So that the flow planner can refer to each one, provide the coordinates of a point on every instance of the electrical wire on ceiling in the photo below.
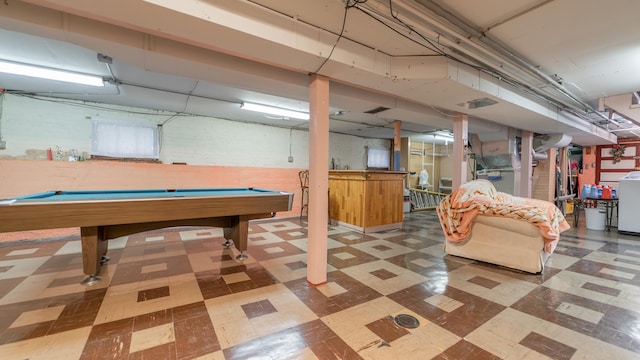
(186, 103)
(486, 68)
(347, 6)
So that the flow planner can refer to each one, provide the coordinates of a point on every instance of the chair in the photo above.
(304, 187)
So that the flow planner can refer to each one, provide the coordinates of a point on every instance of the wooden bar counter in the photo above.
(367, 200)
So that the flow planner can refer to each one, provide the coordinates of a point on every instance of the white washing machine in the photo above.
(629, 203)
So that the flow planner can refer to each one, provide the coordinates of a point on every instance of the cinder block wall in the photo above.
(218, 153)
(19, 177)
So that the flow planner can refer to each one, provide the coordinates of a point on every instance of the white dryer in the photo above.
(629, 203)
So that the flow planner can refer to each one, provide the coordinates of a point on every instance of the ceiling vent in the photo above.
(377, 110)
(478, 103)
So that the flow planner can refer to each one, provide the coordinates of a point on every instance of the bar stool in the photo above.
(304, 187)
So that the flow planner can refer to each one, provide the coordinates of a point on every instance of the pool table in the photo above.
(108, 214)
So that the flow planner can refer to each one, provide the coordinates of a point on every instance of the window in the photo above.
(378, 158)
(124, 140)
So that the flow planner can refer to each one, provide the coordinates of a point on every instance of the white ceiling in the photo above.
(546, 63)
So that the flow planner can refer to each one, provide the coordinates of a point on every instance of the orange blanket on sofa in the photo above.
(457, 211)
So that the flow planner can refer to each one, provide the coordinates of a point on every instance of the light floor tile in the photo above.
(444, 302)
(559, 261)
(352, 237)
(37, 286)
(64, 345)
(21, 267)
(331, 288)
(273, 250)
(587, 347)
(70, 247)
(370, 248)
(279, 226)
(153, 268)
(502, 333)
(263, 239)
(209, 260)
(170, 250)
(198, 234)
(154, 336)
(634, 253)
(424, 342)
(508, 292)
(572, 283)
(121, 301)
(302, 244)
(423, 262)
(411, 241)
(521, 352)
(232, 326)
(344, 255)
(154, 238)
(617, 273)
(38, 316)
(404, 279)
(279, 269)
(580, 312)
(118, 243)
(236, 277)
(613, 259)
(438, 251)
(218, 355)
(23, 252)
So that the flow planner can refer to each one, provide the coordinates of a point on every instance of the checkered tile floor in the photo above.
(179, 294)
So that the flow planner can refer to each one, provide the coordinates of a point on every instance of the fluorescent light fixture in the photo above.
(15, 68)
(443, 138)
(275, 111)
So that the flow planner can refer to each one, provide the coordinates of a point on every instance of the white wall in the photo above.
(30, 126)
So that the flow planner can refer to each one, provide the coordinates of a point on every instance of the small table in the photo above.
(610, 205)
(104, 215)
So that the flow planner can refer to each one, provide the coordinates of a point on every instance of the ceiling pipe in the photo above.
(465, 32)
(450, 34)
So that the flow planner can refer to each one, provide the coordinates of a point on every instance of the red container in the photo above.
(606, 192)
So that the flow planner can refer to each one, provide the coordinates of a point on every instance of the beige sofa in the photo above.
(513, 243)
(483, 224)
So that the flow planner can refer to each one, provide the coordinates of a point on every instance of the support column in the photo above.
(318, 179)
(526, 164)
(460, 140)
(396, 145)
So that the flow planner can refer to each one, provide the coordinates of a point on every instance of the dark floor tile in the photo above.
(160, 352)
(258, 308)
(152, 319)
(548, 347)
(155, 293)
(474, 312)
(195, 337)
(357, 257)
(484, 282)
(387, 329)
(601, 289)
(467, 351)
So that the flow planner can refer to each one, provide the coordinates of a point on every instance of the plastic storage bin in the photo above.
(595, 218)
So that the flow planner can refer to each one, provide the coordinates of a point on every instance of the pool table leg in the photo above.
(94, 247)
(239, 232)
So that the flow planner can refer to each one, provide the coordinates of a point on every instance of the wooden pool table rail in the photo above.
(104, 219)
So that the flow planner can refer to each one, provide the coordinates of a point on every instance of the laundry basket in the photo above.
(595, 218)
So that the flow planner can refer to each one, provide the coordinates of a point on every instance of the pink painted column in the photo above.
(526, 164)
(396, 144)
(318, 179)
(460, 139)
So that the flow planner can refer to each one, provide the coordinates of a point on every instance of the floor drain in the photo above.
(407, 321)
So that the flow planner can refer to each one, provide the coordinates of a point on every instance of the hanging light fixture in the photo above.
(15, 68)
(272, 110)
